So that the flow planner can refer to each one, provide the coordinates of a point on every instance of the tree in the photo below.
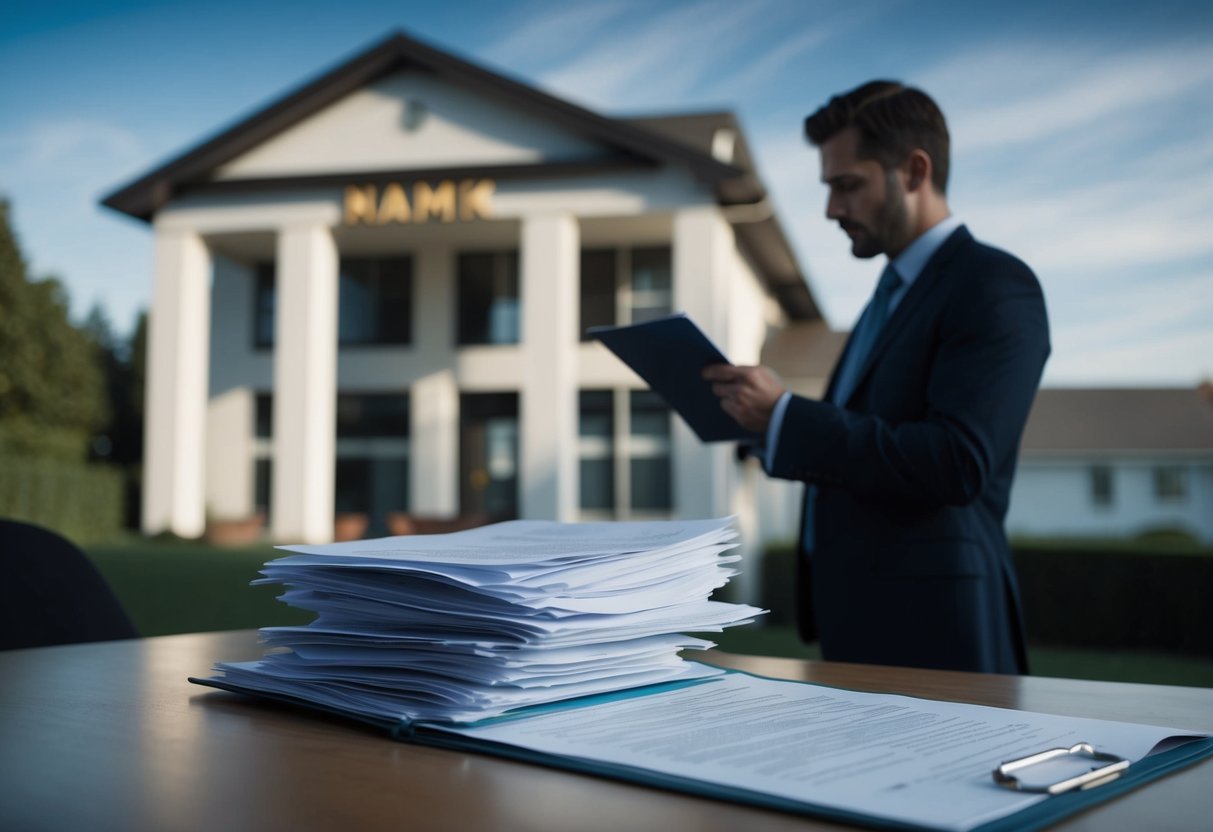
(52, 386)
(120, 439)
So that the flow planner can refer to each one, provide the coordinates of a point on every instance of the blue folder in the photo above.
(1037, 816)
(669, 354)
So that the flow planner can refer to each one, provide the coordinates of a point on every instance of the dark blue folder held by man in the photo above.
(669, 354)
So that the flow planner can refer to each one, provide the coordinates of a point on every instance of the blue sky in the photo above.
(1081, 130)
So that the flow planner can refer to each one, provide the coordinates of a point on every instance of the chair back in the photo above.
(50, 592)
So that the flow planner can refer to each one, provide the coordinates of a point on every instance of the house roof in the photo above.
(1062, 420)
(646, 142)
(804, 350)
(1120, 419)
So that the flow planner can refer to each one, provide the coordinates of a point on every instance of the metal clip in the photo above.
(1007, 774)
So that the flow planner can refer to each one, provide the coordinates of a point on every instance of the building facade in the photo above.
(1116, 463)
(371, 298)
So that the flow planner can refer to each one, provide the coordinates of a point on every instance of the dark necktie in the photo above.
(866, 332)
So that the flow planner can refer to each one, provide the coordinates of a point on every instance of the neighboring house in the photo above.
(1116, 463)
(1109, 462)
(370, 297)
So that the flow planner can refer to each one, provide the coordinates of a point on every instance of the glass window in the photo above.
(625, 286)
(263, 416)
(1170, 484)
(624, 454)
(596, 449)
(265, 302)
(263, 472)
(1101, 485)
(651, 284)
(375, 301)
(372, 464)
(371, 485)
(369, 415)
(649, 465)
(263, 433)
(353, 485)
(374, 304)
(488, 454)
(489, 311)
(598, 289)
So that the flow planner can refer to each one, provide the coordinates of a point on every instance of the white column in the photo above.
(178, 359)
(549, 290)
(703, 244)
(305, 384)
(434, 445)
(229, 458)
(434, 398)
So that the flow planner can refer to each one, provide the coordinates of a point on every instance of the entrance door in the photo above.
(488, 454)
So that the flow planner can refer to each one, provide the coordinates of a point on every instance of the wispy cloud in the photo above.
(1145, 346)
(660, 57)
(790, 49)
(80, 153)
(1086, 231)
(545, 34)
(1102, 181)
(1011, 93)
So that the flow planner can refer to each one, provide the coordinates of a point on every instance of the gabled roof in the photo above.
(650, 142)
(145, 195)
(1120, 419)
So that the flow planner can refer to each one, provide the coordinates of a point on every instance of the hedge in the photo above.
(1116, 595)
(83, 502)
(1093, 597)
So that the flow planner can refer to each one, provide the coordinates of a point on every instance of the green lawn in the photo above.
(181, 587)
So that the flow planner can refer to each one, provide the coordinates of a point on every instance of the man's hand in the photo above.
(748, 394)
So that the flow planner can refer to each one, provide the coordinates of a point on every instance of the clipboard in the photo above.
(669, 353)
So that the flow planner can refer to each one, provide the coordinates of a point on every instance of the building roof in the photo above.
(804, 350)
(1062, 420)
(1120, 419)
(639, 142)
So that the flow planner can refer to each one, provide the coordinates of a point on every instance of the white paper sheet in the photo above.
(883, 755)
(466, 625)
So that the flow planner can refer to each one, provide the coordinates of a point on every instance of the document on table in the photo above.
(885, 757)
(472, 624)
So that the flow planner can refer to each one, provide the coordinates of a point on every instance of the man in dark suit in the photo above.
(908, 459)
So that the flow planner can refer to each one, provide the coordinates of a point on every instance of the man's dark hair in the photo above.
(893, 120)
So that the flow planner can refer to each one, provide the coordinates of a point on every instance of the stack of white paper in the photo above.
(464, 626)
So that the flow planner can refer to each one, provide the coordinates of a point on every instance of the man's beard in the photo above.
(890, 226)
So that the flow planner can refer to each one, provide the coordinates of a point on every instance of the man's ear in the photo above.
(918, 170)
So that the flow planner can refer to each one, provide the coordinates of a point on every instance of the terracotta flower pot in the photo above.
(240, 531)
(349, 525)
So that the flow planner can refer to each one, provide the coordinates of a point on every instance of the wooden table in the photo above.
(111, 736)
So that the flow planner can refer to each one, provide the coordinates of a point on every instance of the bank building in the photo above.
(370, 300)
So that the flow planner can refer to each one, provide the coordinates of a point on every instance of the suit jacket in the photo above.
(911, 564)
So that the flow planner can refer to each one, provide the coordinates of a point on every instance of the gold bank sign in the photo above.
(419, 202)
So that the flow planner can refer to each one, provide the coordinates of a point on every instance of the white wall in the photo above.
(373, 128)
(1053, 497)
